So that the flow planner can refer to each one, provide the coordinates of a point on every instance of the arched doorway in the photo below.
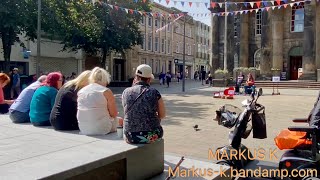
(295, 61)
(257, 59)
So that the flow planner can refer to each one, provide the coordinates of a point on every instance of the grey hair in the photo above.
(42, 78)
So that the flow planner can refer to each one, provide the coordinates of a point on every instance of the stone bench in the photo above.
(28, 152)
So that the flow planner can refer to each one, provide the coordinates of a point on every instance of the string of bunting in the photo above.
(158, 14)
(252, 4)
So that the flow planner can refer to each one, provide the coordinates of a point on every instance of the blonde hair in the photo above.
(79, 81)
(99, 76)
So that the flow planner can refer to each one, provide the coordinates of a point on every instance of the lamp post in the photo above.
(225, 36)
(184, 52)
(38, 38)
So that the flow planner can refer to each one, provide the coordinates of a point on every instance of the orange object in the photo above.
(287, 139)
(120, 121)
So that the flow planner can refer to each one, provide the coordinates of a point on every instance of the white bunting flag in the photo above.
(241, 12)
(252, 4)
(220, 4)
(257, 10)
(126, 10)
(272, 2)
(110, 6)
(175, 2)
(291, 4)
(273, 7)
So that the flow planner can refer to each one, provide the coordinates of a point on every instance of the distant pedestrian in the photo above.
(178, 76)
(168, 78)
(203, 76)
(15, 88)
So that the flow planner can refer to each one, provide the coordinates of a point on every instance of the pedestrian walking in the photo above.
(168, 78)
(15, 88)
(203, 75)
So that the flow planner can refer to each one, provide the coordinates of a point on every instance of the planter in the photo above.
(221, 76)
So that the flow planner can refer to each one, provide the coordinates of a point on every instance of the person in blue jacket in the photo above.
(43, 100)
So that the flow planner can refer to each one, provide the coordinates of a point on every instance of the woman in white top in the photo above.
(97, 108)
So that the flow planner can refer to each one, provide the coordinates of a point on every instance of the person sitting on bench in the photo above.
(249, 88)
(239, 82)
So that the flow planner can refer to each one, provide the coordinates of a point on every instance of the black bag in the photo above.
(4, 108)
(259, 125)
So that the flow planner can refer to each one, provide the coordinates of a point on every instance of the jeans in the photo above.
(249, 89)
(19, 117)
(43, 123)
(4, 108)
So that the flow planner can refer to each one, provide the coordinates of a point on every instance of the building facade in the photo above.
(283, 40)
(51, 59)
(202, 46)
(162, 46)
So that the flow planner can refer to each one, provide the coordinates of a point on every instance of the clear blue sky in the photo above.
(193, 9)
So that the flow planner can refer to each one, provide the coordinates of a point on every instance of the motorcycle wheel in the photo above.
(226, 163)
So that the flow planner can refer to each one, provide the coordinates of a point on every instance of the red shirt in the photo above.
(1, 95)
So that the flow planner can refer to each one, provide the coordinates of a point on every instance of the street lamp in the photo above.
(225, 36)
(38, 38)
(184, 52)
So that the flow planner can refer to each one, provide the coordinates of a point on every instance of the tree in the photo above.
(98, 28)
(16, 18)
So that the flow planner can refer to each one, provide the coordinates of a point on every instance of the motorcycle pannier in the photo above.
(287, 139)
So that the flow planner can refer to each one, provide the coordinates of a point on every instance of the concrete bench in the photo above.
(28, 152)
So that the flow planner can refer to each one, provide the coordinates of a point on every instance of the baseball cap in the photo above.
(145, 71)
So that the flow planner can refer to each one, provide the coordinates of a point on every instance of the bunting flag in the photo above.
(220, 4)
(167, 1)
(258, 4)
(213, 4)
(182, 3)
(175, 2)
(206, 4)
(190, 4)
(252, 4)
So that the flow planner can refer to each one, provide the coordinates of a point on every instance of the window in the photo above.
(258, 22)
(190, 32)
(169, 25)
(169, 46)
(162, 45)
(143, 61)
(163, 22)
(177, 47)
(149, 21)
(156, 44)
(157, 66)
(189, 50)
(235, 25)
(143, 46)
(149, 42)
(297, 18)
(257, 58)
(156, 22)
(142, 20)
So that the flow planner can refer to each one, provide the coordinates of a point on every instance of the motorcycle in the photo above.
(242, 129)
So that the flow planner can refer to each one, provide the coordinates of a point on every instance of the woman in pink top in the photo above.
(4, 104)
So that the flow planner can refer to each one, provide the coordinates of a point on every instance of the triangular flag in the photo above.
(291, 4)
(278, 2)
(111, 6)
(272, 2)
(285, 1)
(144, 1)
(151, 14)
(167, 1)
(252, 4)
(263, 9)
(197, 4)
(265, 3)
(126, 10)
(190, 4)
(257, 10)
(182, 3)
(140, 13)
(175, 2)
(227, 13)
(206, 4)
(135, 1)
(159, 1)
(144, 13)
(267, 8)
(273, 7)
(258, 4)
(220, 4)
(285, 5)
(246, 11)
(117, 8)
(213, 4)
(241, 12)
(213, 14)
(131, 11)
(279, 7)
(236, 12)
(245, 4)
(251, 10)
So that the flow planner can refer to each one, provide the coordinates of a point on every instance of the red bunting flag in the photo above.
(167, 1)
(144, 1)
(117, 8)
(267, 8)
(190, 3)
(285, 5)
(144, 13)
(131, 11)
(278, 2)
(213, 4)
(251, 10)
(258, 4)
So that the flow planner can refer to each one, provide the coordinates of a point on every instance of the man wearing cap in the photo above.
(15, 83)
(143, 109)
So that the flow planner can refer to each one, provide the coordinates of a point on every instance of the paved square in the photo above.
(197, 106)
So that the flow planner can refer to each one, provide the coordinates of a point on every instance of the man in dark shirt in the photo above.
(203, 76)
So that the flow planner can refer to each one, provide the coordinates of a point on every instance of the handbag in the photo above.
(144, 90)
(259, 125)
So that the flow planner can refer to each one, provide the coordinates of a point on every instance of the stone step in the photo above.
(200, 166)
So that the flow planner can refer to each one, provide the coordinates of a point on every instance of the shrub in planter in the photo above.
(221, 74)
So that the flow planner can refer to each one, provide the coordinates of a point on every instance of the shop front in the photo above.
(179, 67)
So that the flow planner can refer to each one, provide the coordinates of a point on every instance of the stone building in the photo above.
(284, 39)
(202, 46)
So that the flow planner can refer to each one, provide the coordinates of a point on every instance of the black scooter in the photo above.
(242, 129)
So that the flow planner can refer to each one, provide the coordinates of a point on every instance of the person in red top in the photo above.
(4, 104)
(249, 87)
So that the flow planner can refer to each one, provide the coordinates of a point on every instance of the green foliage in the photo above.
(16, 18)
(221, 71)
